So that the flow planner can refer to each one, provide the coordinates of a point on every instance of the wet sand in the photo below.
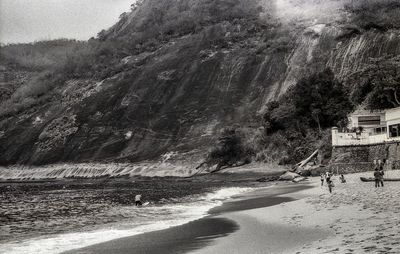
(179, 239)
(263, 229)
(195, 236)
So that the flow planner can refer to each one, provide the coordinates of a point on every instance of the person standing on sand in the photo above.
(330, 184)
(138, 201)
(377, 176)
(381, 174)
(322, 179)
(342, 179)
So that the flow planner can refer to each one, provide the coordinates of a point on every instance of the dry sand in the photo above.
(355, 218)
(362, 218)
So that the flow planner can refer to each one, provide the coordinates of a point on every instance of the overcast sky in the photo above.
(30, 20)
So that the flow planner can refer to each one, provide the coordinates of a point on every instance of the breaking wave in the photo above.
(145, 219)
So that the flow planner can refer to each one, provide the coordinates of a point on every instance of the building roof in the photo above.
(363, 112)
(393, 109)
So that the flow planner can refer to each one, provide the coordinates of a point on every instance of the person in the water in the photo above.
(138, 201)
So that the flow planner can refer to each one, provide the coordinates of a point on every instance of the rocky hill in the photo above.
(169, 75)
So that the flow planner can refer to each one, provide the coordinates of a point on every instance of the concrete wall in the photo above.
(393, 116)
(363, 138)
(360, 158)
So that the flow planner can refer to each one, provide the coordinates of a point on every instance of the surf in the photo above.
(151, 217)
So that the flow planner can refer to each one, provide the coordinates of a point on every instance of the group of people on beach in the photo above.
(379, 173)
(378, 176)
(327, 176)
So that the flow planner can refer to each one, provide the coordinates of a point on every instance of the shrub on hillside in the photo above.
(295, 124)
(231, 149)
(375, 14)
(42, 55)
(163, 20)
(318, 101)
(36, 87)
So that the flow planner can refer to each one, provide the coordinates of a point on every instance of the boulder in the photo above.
(288, 176)
(262, 179)
(304, 172)
(299, 179)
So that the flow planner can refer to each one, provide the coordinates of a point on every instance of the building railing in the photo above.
(356, 138)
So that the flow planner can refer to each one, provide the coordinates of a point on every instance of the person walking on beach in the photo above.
(330, 185)
(322, 179)
(329, 182)
(328, 176)
(138, 201)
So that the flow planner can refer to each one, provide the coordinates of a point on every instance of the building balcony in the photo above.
(357, 138)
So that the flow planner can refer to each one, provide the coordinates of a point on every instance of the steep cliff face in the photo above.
(174, 99)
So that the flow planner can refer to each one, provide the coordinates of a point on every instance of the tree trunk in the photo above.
(304, 162)
(395, 97)
(316, 118)
(319, 125)
(201, 164)
(218, 168)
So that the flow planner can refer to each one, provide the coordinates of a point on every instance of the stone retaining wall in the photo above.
(360, 158)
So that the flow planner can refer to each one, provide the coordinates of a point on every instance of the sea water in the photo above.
(52, 217)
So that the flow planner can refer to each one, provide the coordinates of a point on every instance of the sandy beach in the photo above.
(355, 218)
(285, 218)
(199, 234)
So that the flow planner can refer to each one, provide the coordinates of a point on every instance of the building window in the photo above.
(394, 130)
(369, 120)
(380, 130)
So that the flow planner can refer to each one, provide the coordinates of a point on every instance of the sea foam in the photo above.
(153, 218)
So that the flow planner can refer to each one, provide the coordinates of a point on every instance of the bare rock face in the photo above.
(54, 136)
(176, 97)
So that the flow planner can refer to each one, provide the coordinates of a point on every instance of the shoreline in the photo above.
(103, 209)
(202, 233)
(97, 170)
(264, 229)
(280, 218)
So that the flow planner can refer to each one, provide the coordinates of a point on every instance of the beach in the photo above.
(58, 215)
(200, 234)
(285, 218)
(355, 218)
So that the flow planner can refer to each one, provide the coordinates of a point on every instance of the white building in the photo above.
(369, 127)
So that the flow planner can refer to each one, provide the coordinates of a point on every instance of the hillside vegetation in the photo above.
(300, 121)
(255, 78)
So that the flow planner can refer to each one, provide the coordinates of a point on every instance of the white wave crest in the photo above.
(161, 217)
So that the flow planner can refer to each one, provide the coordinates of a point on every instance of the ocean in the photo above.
(61, 215)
